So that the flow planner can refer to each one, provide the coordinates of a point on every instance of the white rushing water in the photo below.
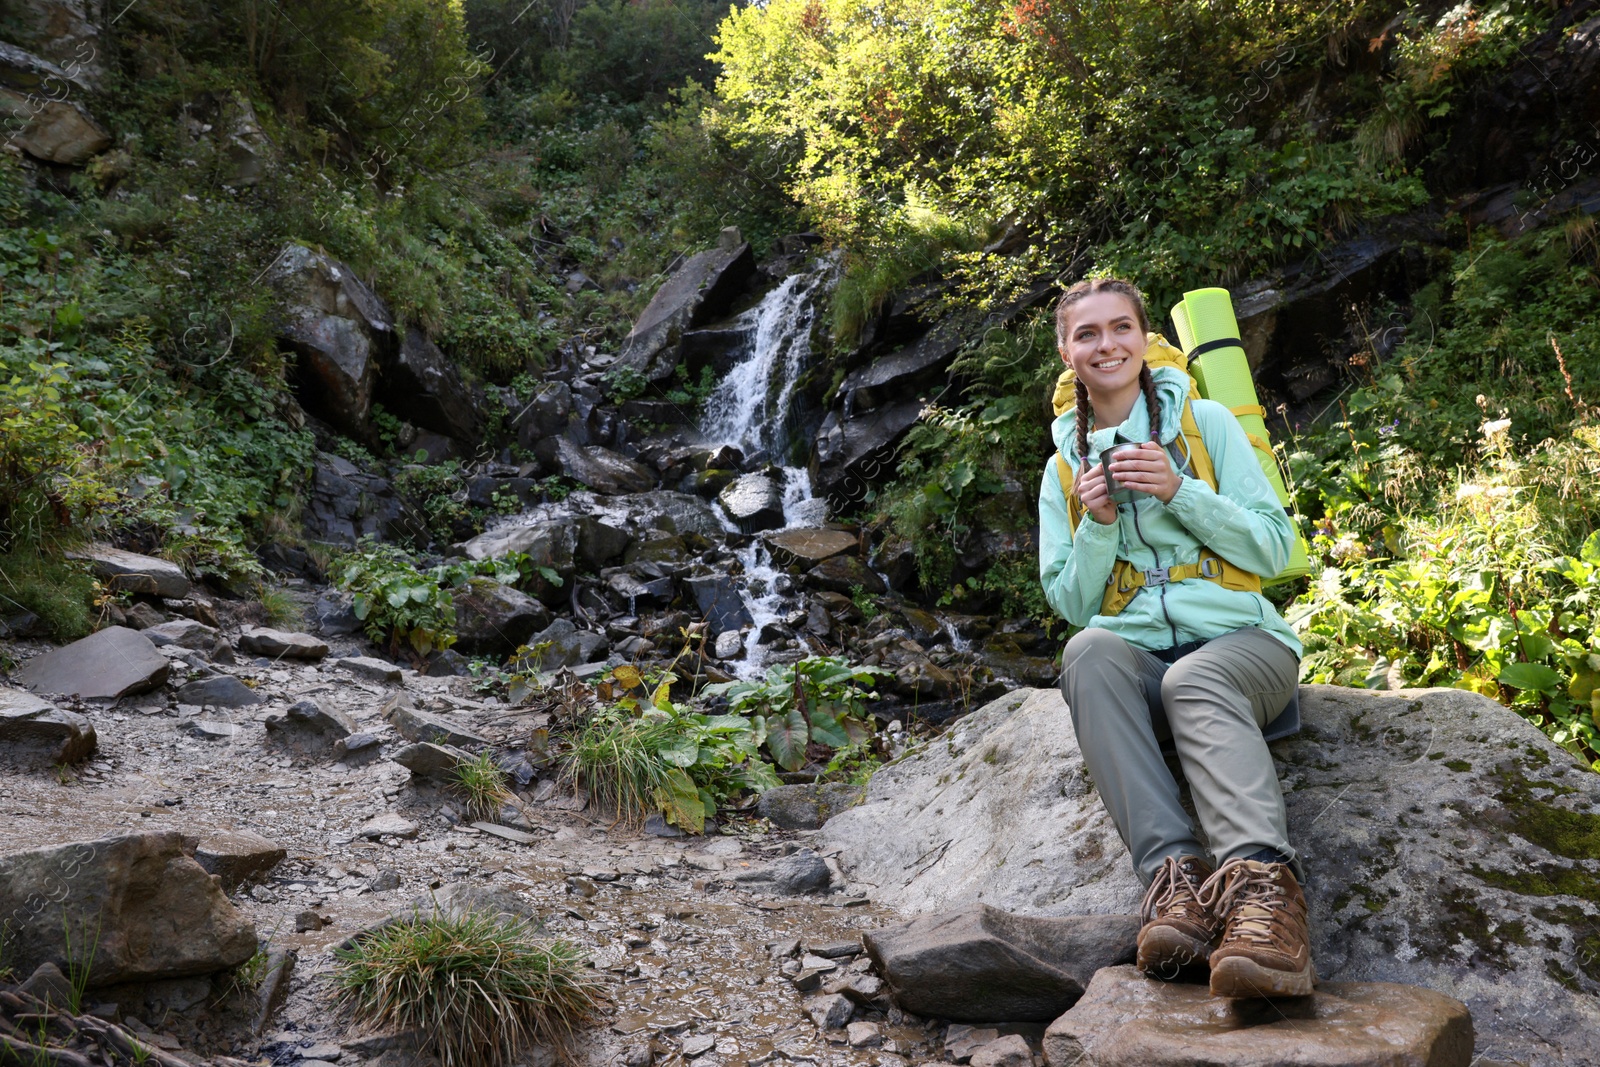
(752, 409)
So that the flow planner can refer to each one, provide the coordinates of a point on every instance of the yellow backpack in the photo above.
(1126, 580)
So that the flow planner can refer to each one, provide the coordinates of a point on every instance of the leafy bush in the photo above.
(817, 701)
(482, 988)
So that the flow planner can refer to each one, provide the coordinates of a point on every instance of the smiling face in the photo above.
(1105, 346)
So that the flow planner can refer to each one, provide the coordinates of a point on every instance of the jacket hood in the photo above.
(1172, 389)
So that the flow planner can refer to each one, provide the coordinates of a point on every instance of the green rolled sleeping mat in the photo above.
(1209, 334)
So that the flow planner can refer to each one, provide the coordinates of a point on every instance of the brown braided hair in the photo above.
(1077, 292)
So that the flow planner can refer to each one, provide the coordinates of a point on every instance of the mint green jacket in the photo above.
(1243, 523)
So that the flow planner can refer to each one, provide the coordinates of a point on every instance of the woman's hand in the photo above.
(1148, 471)
(1091, 489)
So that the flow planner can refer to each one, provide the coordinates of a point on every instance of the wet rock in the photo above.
(426, 760)
(1126, 1020)
(281, 644)
(422, 386)
(754, 502)
(414, 725)
(338, 329)
(494, 619)
(961, 1041)
(548, 544)
(599, 543)
(677, 513)
(545, 414)
(566, 646)
(377, 670)
(115, 662)
(896, 559)
(185, 633)
(29, 723)
(829, 1012)
(388, 824)
(699, 292)
(981, 964)
(864, 1035)
(729, 645)
(698, 1044)
(238, 857)
(129, 572)
(802, 872)
(720, 603)
(851, 455)
(157, 912)
(46, 122)
(1436, 820)
(806, 547)
(845, 575)
(307, 725)
(219, 691)
(600, 469)
(656, 547)
(807, 807)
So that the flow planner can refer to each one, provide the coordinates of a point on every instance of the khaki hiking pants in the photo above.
(1212, 704)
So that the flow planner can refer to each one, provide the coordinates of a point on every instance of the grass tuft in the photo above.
(482, 784)
(482, 987)
(619, 761)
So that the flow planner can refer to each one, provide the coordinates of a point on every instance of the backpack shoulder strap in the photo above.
(1074, 505)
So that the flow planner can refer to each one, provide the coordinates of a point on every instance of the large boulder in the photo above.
(494, 619)
(138, 907)
(282, 644)
(36, 99)
(65, 32)
(340, 331)
(552, 546)
(129, 572)
(545, 414)
(1127, 1020)
(346, 503)
(754, 502)
(852, 453)
(699, 292)
(1448, 844)
(983, 965)
(599, 468)
(112, 663)
(29, 723)
(422, 386)
(720, 602)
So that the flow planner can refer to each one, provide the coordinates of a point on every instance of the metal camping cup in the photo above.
(1120, 493)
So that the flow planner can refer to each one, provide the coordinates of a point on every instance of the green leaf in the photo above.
(1535, 676)
(680, 752)
(680, 802)
(786, 739)
(825, 729)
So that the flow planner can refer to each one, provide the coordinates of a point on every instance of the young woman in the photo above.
(1177, 644)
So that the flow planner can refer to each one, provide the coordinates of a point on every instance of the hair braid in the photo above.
(1083, 420)
(1152, 402)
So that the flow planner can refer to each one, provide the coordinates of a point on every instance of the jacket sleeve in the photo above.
(1242, 520)
(1073, 570)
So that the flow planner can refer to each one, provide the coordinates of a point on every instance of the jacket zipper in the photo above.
(1134, 505)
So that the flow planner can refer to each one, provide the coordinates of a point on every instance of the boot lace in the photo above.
(1252, 900)
(1172, 895)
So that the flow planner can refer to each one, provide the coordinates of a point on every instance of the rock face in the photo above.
(984, 965)
(698, 292)
(35, 98)
(852, 454)
(1447, 842)
(807, 807)
(158, 913)
(115, 662)
(600, 469)
(494, 619)
(130, 572)
(339, 329)
(345, 503)
(27, 722)
(423, 387)
(718, 598)
(1127, 1020)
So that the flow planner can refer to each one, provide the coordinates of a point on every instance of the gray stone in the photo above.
(801, 872)
(829, 1012)
(48, 984)
(378, 670)
(545, 414)
(36, 97)
(698, 1044)
(388, 824)
(115, 662)
(346, 503)
(729, 645)
(754, 502)
(599, 543)
(306, 723)
(600, 469)
(1127, 1020)
(141, 616)
(357, 748)
(1442, 835)
(238, 857)
(807, 807)
(425, 760)
(982, 965)
(677, 513)
(414, 725)
(1009, 1051)
(850, 455)
(567, 646)
(494, 619)
(334, 616)
(220, 691)
(147, 907)
(806, 547)
(844, 574)
(720, 603)
(185, 633)
(864, 1035)
(338, 328)
(281, 644)
(700, 291)
(29, 722)
(422, 386)
(209, 729)
(65, 33)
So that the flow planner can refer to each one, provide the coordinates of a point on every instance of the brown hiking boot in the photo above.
(1266, 949)
(1178, 929)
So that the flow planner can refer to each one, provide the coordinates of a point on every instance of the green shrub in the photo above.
(482, 988)
(481, 784)
(817, 701)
